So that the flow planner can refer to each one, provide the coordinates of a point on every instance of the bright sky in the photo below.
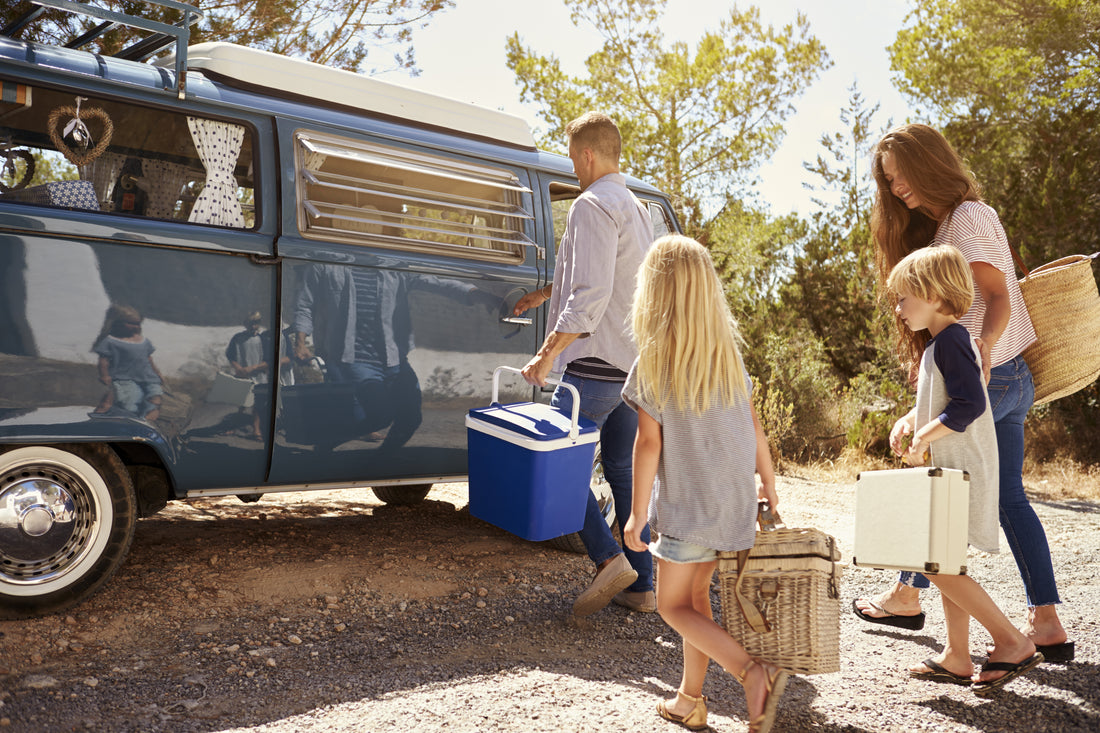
(461, 55)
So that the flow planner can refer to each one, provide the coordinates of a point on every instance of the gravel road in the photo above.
(331, 612)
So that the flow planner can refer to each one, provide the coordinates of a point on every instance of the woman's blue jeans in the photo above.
(1011, 393)
(603, 403)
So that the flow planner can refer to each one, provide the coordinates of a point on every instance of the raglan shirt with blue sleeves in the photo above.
(962, 378)
(950, 389)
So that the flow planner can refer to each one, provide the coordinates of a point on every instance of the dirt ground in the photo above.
(333, 612)
(239, 590)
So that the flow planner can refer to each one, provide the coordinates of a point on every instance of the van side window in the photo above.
(63, 150)
(657, 215)
(561, 198)
(365, 193)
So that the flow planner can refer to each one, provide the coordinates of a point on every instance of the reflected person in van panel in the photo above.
(361, 324)
(126, 366)
(247, 354)
(607, 234)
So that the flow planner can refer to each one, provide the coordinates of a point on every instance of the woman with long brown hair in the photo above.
(925, 195)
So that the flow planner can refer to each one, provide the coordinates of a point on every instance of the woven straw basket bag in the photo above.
(1064, 306)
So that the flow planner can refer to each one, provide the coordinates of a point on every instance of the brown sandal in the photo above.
(775, 681)
(695, 720)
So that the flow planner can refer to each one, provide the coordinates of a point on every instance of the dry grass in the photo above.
(1062, 478)
(1059, 479)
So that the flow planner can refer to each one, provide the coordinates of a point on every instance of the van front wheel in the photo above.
(67, 516)
(402, 495)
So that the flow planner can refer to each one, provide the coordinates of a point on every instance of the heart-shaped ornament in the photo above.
(75, 140)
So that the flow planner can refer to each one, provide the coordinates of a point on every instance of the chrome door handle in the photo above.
(518, 320)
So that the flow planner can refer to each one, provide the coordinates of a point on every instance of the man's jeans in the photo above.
(602, 402)
(1011, 393)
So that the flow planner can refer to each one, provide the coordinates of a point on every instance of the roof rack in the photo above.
(161, 34)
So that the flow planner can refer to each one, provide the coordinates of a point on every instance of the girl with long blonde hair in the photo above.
(700, 439)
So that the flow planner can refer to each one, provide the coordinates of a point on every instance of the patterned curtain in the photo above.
(163, 182)
(102, 172)
(218, 145)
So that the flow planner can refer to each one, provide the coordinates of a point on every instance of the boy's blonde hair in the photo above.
(938, 271)
(688, 341)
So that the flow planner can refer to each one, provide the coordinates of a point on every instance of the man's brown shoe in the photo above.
(643, 601)
(617, 575)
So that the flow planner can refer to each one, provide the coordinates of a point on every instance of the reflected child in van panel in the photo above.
(126, 366)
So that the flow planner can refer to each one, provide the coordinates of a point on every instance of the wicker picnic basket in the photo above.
(1064, 306)
(784, 606)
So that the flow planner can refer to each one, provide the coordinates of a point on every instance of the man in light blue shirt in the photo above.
(606, 237)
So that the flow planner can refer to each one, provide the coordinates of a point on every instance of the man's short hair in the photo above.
(598, 132)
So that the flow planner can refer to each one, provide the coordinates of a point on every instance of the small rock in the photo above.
(91, 682)
(39, 681)
(294, 639)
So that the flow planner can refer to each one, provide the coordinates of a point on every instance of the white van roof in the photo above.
(307, 79)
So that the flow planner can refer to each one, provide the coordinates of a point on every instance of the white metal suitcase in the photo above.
(913, 519)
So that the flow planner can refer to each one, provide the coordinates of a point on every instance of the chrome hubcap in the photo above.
(47, 521)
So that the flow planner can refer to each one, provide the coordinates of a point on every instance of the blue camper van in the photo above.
(227, 272)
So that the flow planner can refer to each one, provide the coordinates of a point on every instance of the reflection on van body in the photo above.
(249, 287)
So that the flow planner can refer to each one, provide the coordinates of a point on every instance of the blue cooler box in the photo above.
(530, 466)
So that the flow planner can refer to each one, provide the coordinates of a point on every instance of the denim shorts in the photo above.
(671, 549)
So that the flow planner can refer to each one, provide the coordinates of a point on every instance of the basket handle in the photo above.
(768, 518)
(1071, 259)
(574, 426)
(769, 521)
(1019, 262)
(752, 614)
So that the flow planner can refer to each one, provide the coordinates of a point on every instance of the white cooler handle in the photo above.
(574, 427)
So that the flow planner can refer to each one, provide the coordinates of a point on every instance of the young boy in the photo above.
(953, 422)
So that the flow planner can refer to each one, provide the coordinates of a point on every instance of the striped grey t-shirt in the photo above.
(706, 487)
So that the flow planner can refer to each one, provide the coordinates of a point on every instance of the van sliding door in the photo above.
(400, 268)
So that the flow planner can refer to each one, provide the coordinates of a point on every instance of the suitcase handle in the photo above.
(574, 427)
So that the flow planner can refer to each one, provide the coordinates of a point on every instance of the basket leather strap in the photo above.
(1019, 262)
(752, 614)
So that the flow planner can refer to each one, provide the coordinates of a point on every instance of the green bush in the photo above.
(796, 397)
(871, 404)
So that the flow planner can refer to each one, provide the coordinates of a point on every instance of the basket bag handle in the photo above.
(1071, 259)
(769, 521)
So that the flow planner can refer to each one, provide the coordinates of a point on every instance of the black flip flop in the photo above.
(939, 674)
(912, 623)
(1012, 671)
(1058, 653)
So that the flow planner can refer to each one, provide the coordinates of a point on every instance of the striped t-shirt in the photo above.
(706, 478)
(975, 230)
